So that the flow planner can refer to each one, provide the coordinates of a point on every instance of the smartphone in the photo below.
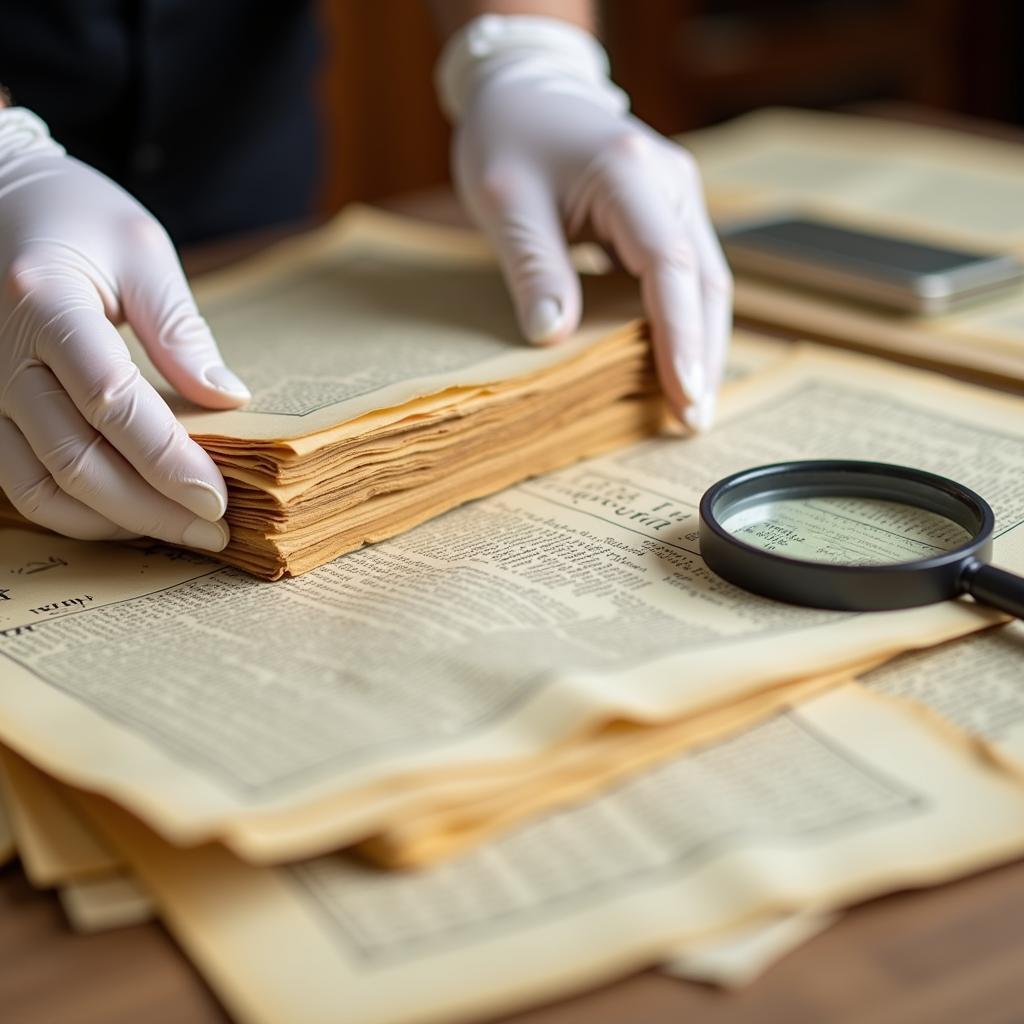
(880, 269)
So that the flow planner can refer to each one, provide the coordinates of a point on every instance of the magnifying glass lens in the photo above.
(844, 530)
(853, 536)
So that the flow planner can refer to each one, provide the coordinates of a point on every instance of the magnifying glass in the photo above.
(854, 536)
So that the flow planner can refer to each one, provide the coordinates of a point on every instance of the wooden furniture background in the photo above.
(686, 63)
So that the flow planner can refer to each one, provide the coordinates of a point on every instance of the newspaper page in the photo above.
(935, 185)
(702, 843)
(91, 905)
(752, 352)
(53, 842)
(741, 955)
(290, 719)
(947, 186)
(447, 825)
(102, 904)
(366, 315)
(975, 684)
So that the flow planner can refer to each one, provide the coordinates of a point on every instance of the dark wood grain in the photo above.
(50, 975)
(953, 955)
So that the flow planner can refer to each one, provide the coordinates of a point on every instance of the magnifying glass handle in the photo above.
(994, 587)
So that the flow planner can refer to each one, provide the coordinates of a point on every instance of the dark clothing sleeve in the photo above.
(202, 110)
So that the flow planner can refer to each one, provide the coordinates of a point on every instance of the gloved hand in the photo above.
(87, 447)
(544, 144)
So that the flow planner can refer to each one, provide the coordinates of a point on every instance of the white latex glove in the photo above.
(87, 447)
(545, 144)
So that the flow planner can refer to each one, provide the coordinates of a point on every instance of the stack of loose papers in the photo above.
(933, 185)
(391, 384)
(535, 732)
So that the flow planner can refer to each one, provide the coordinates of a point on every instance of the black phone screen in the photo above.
(820, 242)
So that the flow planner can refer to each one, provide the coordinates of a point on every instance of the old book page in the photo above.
(739, 956)
(984, 344)
(702, 843)
(731, 959)
(975, 684)
(288, 720)
(116, 900)
(751, 352)
(282, 317)
(101, 904)
(947, 187)
(390, 385)
(55, 845)
(447, 825)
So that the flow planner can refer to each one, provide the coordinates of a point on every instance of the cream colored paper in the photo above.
(102, 904)
(442, 827)
(312, 326)
(986, 344)
(975, 684)
(117, 901)
(739, 956)
(447, 826)
(751, 352)
(390, 384)
(55, 845)
(936, 185)
(329, 326)
(290, 719)
(699, 845)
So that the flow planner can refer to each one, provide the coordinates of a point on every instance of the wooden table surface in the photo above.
(952, 955)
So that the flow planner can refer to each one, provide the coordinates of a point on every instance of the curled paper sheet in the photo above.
(101, 904)
(929, 184)
(741, 955)
(702, 843)
(433, 668)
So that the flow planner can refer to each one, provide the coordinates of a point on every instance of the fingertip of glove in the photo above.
(700, 416)
(227, 384)
(205, 500)
(543, 322)
(206, 536)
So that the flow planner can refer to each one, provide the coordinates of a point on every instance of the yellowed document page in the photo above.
(60, 848)
(288, 719)
(447, 825)
(698, 845)
(927, 183)
(934, 183)
(751, 352)
(985, 343)
(975, 684)
(368, 314)
(102, 904)
(739, 956)
(55, 845)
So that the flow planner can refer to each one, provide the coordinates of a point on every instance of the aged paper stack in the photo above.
(390, 384)
(575, 750)
(926, 183)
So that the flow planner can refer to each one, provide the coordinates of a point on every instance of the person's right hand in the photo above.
(87, 446)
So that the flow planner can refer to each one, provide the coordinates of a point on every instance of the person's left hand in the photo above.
(537, 154)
